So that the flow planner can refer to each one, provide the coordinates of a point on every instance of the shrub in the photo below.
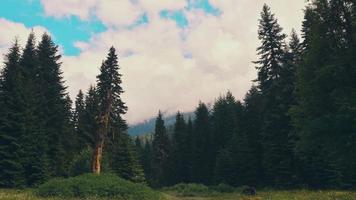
(90, 185)
(189, 190)
(223, 188)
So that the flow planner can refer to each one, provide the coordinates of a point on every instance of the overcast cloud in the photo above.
(165, 65)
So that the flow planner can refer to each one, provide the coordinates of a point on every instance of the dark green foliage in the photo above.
(160, 154)
(34, 158)
(90, 185)
(181, 151)
(54, 113)
(124, 159)
(11, 121)
(109, 89)
(202, 159)
(81, 163)
(275, 78)
(223, 188)
(224, 168)
(190, 190)
(79, 124)
(325, 115)
(90, 117)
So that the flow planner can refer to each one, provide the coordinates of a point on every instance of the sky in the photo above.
(172, 53)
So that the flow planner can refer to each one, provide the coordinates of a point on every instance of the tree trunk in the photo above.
(98, 154)
(99, 144)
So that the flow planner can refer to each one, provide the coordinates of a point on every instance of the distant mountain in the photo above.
(148, 126)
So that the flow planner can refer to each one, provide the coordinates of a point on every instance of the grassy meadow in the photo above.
(172, 195)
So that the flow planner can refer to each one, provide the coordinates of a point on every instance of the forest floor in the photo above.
(264, 195)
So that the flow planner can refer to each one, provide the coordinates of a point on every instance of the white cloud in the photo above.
(66, 8)
(156, 74)
(10, 30)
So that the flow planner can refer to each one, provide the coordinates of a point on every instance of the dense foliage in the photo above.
(90, 185)
(41, 136)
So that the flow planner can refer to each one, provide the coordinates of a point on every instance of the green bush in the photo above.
(189, 190)
(81, 164)
(223, 188)
(90, 185)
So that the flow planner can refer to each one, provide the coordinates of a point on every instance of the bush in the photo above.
(189, 190)
(90, 185)
(81, 164)
(223, 188)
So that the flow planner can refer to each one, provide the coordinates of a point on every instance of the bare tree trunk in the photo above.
(98, 154)
(101, 135)
(99, 144)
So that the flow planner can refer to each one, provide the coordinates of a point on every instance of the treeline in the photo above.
(41, 136)
(296, 127)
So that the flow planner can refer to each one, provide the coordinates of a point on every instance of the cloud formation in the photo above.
(11, 30)
(165, 66)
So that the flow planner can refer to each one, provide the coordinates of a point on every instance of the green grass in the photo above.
(170, 195)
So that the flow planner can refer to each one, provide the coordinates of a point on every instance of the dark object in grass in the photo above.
(251, 191)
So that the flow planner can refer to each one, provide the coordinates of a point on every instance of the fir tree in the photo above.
(203, 160)
(79, 123)
(125, 160)
(34, 140)
(90, 117)
(54, 113)
(275, 85)
(11, 120)
(326, 95)
(160, 154)
(181, 150)
(111, 106)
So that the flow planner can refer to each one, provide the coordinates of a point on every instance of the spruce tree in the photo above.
(34, 140)
(54, 113)
(90, 117)
(181, 150)
(160, 154)
(111, 106)
(324, 115)
(79, 123)
(125, 160)
(252, 127)
(12, 108)
(274, 83)
(203, 160)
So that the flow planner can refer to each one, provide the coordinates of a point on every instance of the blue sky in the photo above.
(67, 30)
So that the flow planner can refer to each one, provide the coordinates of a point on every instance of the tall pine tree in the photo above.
(11, 120)
(160, 154)
(111, 106)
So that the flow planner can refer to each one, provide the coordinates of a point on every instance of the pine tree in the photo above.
(224, 167)
(203, 160)
(274, 83)
(34, 140)
(326, 95)
(79, 115)
(11, 109)
(181, 151)
(224, 120)
(252, 127)
(111, 106)
(54, 113)
(125, 160)
(147, 161)
(90, 117)
(160, 153)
